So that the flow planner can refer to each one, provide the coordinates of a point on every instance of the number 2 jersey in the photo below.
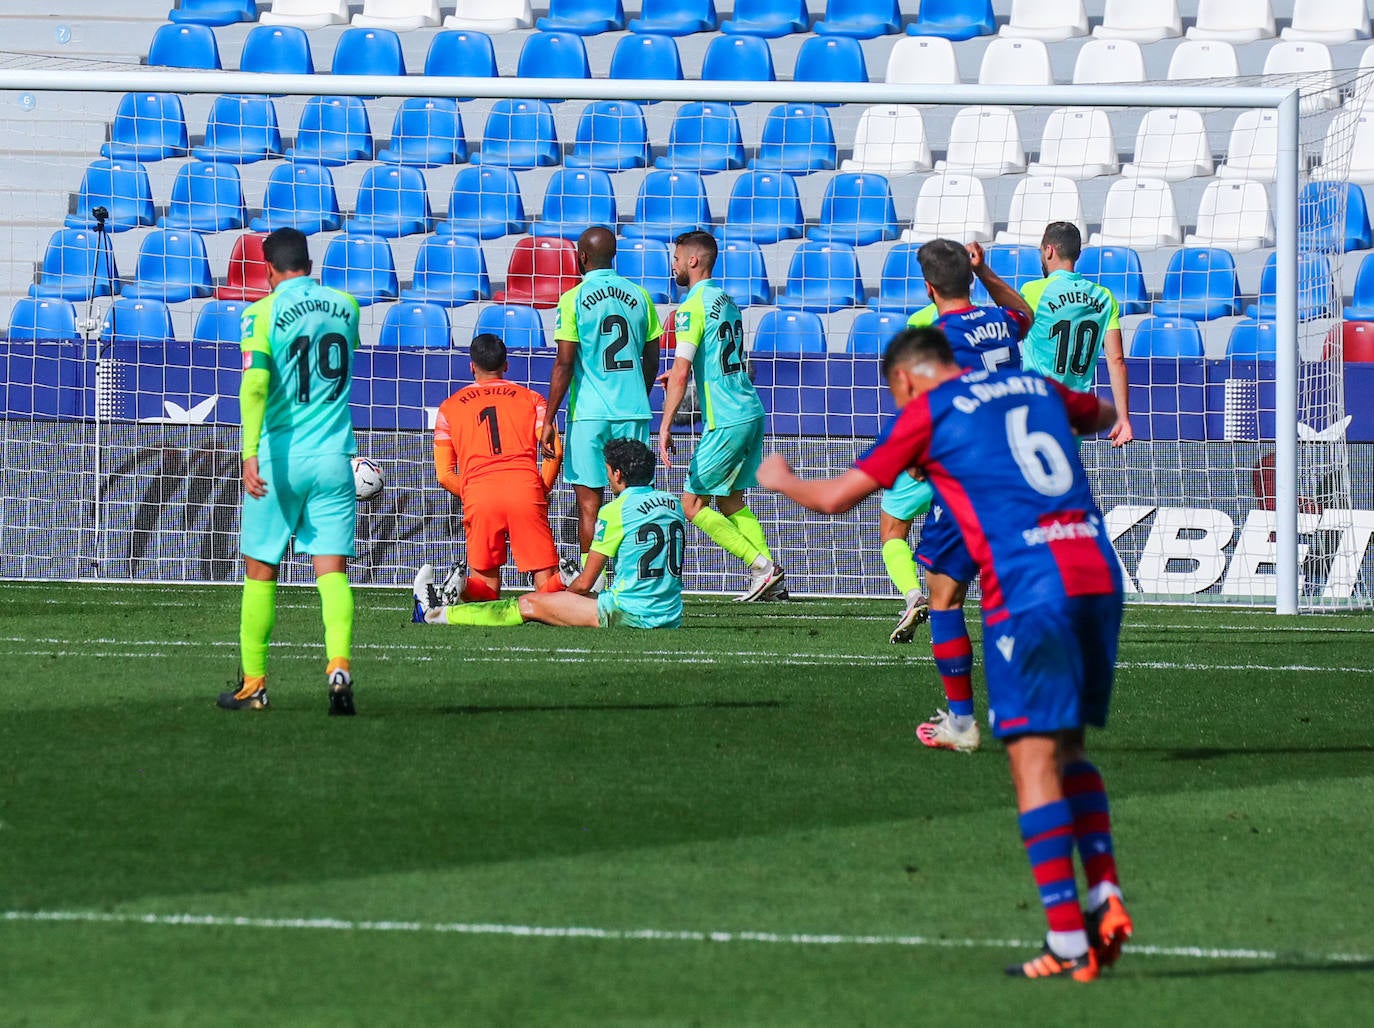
(1000, 451)
(644, 531)
(1072, 317)
(610, 319)
(981, 337)
(490, 430)
(708, 331)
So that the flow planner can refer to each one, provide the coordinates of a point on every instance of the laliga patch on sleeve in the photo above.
(682, 321)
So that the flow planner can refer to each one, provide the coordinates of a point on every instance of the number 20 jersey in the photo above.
(1000, 451)
(709, 331)
(610, 319)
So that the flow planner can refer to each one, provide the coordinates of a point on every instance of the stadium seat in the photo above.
(765, 207)
(822, 277)
(122, 188)
(1253, 150)
(1078, 143)
(954, 19)
(611, 136)
(299, 196)
(857, 210)
(1316, 289)
(789, 331)
(35, 320)
(247, 273)
(676, 17)
(738, 59)
(540, 271)
(1233, 21)
(486, 203)
(362, 51)
(902, 288)
(1253, 339)
(393, 201)
(952, 207)
(647, 57)
(76, 268)
(1050, 21)
(362, 266)
(797, 139)
(922, 60)
(553, 55)
(669, 203)
(1108, 60)
(1139, 213)
(519, 134)
(1361, 302)
(1348, 150)
(1328, 21)
(1141, 21)
(705, 138)
(1171, 144)
(427, 133)
(870, 332)
(462, 54)
(1200, 284)
(648, 263)
(172, 266)
(213, 12)
(306, 14)
(1015, 263)
(240, 130)
(415, 324)
(491, 15)
(1357, 342)
(184, 46)
(1333, 216)
(1234, 215)
(147, 127)
(131, 320)
(450, 270)
(334, 130)
(890, 141)
(830, 59)
(583, 17)
(520, 327)
(1311, 68)
(1118, 269)
(984, 142)
(1016, 62)
(574, 200)
(277, 50)
(860, 19)
(1166, 337)
(1037, 201)
(1203, 59)
(767, 18)
(398, 15)
(741, 272)
(219, 322)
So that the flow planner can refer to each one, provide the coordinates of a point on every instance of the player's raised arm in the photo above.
(823, 495)
(1001, 292)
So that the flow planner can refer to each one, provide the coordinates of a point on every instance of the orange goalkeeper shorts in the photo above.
(500, 509)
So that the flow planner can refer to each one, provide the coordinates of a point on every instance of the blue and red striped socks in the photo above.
(1092, 827)
(949, 643)
(1048, 835)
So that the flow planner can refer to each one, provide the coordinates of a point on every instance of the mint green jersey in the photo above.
(644, 530)
(610, 319)
(925, 317)
(1072, 317)
(709, 331)
(304, 334)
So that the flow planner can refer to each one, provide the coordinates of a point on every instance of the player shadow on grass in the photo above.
(1276, 967)
(554, 708)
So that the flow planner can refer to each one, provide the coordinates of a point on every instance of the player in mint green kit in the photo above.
(298, 345)
(608, 350)
(642, 529)
(709, 336)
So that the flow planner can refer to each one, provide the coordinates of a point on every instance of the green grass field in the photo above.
(754, 774)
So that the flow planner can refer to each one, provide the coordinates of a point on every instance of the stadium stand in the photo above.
(1253, 339)
(860, 19)
(361, 265)
(1015, 62)
(554, 55)
(1234, 215)
(953, 206)
(1171, 144)
(277, 50)
(540, 271)
(422, 325)
(902, 287)
(1078, 143)
(675, 17)
(519, 134)
(219, 322)
(611, 136)
(306, 14)
(870, 331)
(141, 322)
(742, 272)
(574, 200)
(240, 130)
(333, 130)
(122, 188)
(647, 57)
(172, 266)
(1109, 60)
(1328, 21)
(1119, 269)
(520, 326)
(398, 15)
(1357, 342)
(450, 271)
(1167, 337)
(583, 17)
(823, 277)
(857, 210)
(922, 59)
(491, 15)
(830, 59)
(797, 139)
(247, 270)
(393, 201)
(1048, 20)
(1200, 284)
(1233, 21)
(464, 54)
(300, 196)
(984, 142)
(1138, 213)
(427, 133)
(705, 138)
(890, 141)
(38, 320)
(767, 18)
(184, 46)
(954, 19)
(486, 203)
(669, 203)
(1199, 59)
(362, 51)
(213, 12)
(1140, 21)
(648, 263)
(790, 331)
(765, 207)
(147, 127)
(738, 59)
(1038, 200)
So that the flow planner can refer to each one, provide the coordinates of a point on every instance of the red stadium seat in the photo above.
(540, 271)
(1357, 341)
(247, 278)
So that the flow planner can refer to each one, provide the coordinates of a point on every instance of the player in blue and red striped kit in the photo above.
(999, 448)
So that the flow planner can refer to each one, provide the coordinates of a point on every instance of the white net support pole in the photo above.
(1286, 364)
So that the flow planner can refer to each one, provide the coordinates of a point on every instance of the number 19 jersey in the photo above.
(610, 318)
(1072, 316)
(709, 332)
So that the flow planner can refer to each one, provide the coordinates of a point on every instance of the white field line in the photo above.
(331, 924)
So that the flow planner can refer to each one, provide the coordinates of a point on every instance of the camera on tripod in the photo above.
(100, 214)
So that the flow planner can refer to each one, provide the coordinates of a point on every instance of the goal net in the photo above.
(453, 212)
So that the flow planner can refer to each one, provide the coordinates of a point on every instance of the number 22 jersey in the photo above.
(709, 331)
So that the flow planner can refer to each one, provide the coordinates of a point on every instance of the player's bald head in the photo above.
(596, 248)
(911, 348)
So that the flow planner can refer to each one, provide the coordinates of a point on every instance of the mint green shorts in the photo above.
(584, 451)
(310, 496)
(907, 498)
(726, 459)
(610, 614)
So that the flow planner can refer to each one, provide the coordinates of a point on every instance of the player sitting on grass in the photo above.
(642, 529)
(999, 448)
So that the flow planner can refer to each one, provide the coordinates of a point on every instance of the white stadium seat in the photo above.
(1195, 59)
(1253, 150)
(1352, 128)
(951, 207)
(985, 142)
(1143, 21)
(306, 14)
(890, 141)
(1171, 144)
(1328, 21)
(1234, 216)
(1109, 60)
(1078, 143)
(925, 60)
(491, 15)
(1039, 200)
(398, 15)
(1049, 20)
(1313, 62)
(1233, 21)
(1016, 62)
(1138, 213)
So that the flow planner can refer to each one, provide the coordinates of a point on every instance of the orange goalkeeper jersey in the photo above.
(485, 430)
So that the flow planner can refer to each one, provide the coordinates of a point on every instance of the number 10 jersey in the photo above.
(1072, 317)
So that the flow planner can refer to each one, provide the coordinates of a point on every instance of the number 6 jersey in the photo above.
(709, 332)
(610, 319)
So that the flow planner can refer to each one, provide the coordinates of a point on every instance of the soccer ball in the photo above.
(367, 479)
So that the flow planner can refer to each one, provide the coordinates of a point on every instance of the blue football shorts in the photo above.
(726, 459)
(310, 496)
(942, 548)
(584, 453)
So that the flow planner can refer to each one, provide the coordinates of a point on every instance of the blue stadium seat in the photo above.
(465, 54)
(857, 210)
(738, 59)
(705, 138)
(213, 12)
(648, 263)
(147, 127)
(334, 130)
(954, 19)
(1253, 339)
(797, 139)
(822, 277)
(871, 331)
(415, 324)
(902, 289)
(669, 203)
(1320, 225)
(184, 46)
(1015, 263)
(646, 57)
(122, 187)
(860, 19)
(574, 200)
(299, 196)
(764, 207)
(553, 55)
(1362, 301)
(362, 51)
(361, 265)
(172, 266)
(486, 203)
(131, 320)
(1167, 337)
(427, 133)
(520, 327)
(789, 332)
(393, 201)
(277, 50)
(240, 130)
(611, 136)
(1118, 269)
(450, 270)
(675, 17)
(1200, 283)
(519, 134)
(35, 320)
(830, 59)
(583, 17)
(74, 268)
(220, 321)
(741, 272)
(767, 18)
(1316, 289)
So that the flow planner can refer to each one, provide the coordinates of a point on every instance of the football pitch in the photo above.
(727, 824)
